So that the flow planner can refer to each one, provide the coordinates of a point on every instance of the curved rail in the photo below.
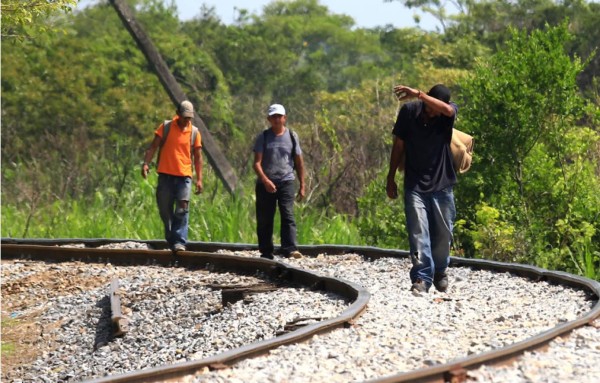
(199, 252)
(48, 250)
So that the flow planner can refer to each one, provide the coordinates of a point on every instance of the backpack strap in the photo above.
(166, 129)
(293, 144)
(265, 141)
(193, 138)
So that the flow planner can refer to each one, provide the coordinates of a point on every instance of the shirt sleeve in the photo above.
(258, 143)
(198, 143)
(401, 123)
(298, 148)
(159, 130)
(449, 121)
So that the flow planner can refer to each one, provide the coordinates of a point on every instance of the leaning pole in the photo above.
(210, 145)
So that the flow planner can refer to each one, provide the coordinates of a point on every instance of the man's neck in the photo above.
(278, 130)
(181, 123)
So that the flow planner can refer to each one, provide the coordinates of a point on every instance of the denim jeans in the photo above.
(429, 222)
(171, 190)
(266, 204)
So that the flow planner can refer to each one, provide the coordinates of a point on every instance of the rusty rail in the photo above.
(283, 273)
(198, 254)
(119, 321)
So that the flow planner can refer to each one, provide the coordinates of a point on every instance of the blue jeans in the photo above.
(170, 193)
(429, 222)
(266, 204)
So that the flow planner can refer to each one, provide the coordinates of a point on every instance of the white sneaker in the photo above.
(179, 247)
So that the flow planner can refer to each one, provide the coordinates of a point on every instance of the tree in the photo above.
(88, 102)
(487, 22)
(291, 50)
(26, 18)
(535, 163)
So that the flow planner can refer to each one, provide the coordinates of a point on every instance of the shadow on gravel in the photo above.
(104, 329)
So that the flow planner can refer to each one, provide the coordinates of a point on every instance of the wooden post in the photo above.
(215, 156)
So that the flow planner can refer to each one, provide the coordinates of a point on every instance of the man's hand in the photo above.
(301, 193)
(199, 187)
(391, 188)
(269, 186)
(145, 170)
(403, 92)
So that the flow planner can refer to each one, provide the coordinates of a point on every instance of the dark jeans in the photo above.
(266, 204)
(429, 222)
(171, 190)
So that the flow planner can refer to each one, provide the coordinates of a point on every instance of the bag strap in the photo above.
(193, 139)
(166, 129)
(293, 144)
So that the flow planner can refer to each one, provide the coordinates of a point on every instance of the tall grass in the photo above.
(215, 216)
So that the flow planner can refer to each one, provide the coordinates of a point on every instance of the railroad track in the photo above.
(203, 255)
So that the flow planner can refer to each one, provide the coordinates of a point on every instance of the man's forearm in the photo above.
(259, 172)
(437, 105)
(299, 162)
(394, 159)
(198, 163)
(148, 155)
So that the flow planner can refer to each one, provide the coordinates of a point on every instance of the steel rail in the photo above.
(454, 371)
(359, 296)
(119, 321)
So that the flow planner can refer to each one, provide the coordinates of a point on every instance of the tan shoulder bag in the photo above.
(461, 147)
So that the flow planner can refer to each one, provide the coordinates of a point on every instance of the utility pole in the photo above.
(215, 156)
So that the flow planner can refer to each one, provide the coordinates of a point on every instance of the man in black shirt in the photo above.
(422, 136)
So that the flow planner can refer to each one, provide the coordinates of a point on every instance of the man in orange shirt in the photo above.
(174, 167)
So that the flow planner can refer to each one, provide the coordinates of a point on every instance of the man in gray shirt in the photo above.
(277, 154)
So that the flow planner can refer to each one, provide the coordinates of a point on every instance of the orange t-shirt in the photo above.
(175, 156)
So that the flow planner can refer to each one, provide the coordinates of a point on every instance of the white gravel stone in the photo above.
(175, 317)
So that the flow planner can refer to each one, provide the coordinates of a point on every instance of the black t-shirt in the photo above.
(428, 167)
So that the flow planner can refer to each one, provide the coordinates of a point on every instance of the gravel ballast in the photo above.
(175, 315)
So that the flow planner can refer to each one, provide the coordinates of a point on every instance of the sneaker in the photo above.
(267, 256)
(179, 247)
(440, 281)
(295, 254)
(419, 286)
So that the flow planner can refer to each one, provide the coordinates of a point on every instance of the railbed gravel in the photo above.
(175, 317)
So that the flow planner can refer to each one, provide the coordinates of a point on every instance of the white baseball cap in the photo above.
(276, 109)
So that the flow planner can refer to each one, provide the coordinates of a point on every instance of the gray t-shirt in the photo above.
(277, 161)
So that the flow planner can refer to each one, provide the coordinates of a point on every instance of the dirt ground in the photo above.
(23, 337)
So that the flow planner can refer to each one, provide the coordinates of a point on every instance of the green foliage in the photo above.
(90, 94)
(79, 108)
(131, 212)
(7, 348)
(535, 166)
(22, 19)
(295, 48)
(494, 238)
(381, 221)
(346, 142)
(486, 23)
